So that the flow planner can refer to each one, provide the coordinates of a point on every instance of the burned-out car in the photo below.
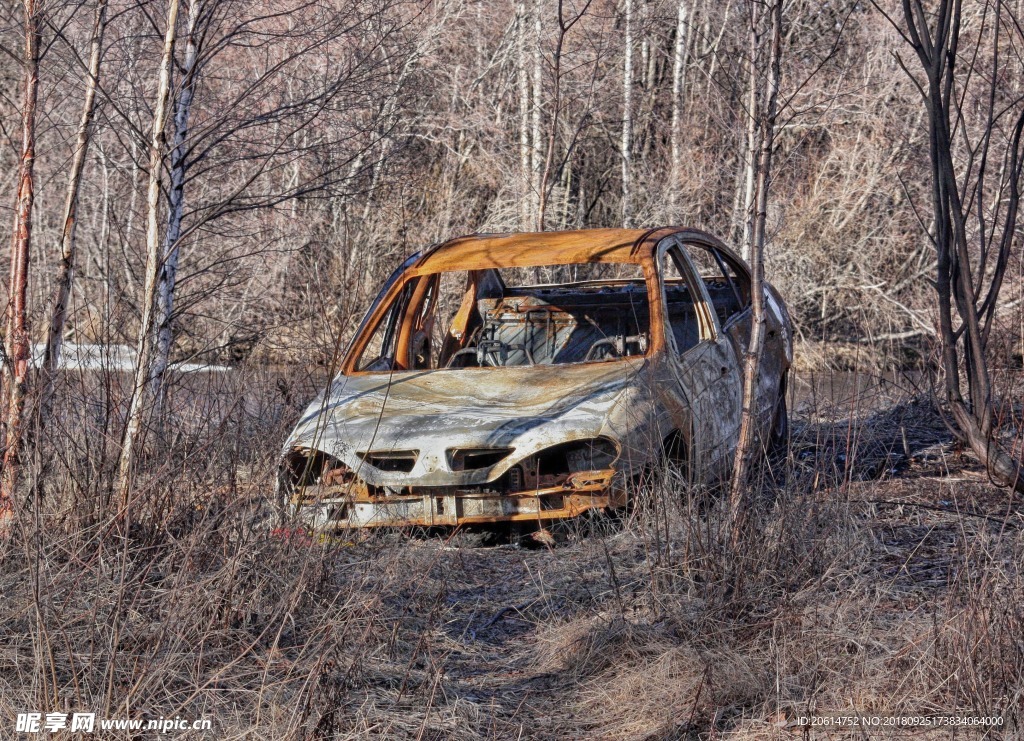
(533, 377)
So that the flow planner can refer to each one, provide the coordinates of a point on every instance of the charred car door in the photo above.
(704, 364)
(727, 282)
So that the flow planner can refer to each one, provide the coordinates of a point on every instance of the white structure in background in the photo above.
(119, 358)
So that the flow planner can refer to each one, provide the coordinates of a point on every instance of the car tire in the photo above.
(778, 438)
(672, 467)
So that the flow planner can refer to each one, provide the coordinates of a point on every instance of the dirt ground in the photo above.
(880, 573)
(878, 597)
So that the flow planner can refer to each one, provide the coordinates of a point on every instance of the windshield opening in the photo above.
(548, 315)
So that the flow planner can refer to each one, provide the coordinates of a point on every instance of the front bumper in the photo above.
(337, 508)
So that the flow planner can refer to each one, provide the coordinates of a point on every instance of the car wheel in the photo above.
(676, 456)
(779, 436)
(671, 470)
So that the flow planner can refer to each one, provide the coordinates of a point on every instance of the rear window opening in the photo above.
(550, 315)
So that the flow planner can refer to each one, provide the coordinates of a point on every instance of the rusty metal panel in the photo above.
(343, 507)
(533, 249)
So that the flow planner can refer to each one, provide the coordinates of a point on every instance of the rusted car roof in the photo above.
(533, 249)
(481, 251)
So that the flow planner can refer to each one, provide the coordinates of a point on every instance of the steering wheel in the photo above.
(617, 344)
(485, 347)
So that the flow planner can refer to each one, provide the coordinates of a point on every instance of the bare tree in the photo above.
(536, 111)
(746, 445)
(175, 209)
(270, 119)
(523, 89)
(564, 26)
(157, 144)
(971, 263)
(17, 347)
(744, 214)
(678, 89)
(68, 242)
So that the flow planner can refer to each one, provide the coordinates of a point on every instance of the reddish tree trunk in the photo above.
(17, 340)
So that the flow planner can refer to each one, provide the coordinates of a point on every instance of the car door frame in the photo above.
(707, 375)
(738, 328)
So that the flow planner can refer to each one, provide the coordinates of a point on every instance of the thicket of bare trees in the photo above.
(975, 128)
(204, 130)
(299, 149)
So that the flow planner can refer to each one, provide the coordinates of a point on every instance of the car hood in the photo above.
(525, 408)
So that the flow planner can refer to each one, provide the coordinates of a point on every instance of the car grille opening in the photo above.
(401, 461)
(472, 459)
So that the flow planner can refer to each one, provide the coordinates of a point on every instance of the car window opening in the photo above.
(728, 288)
(549, 315)
(727, 291)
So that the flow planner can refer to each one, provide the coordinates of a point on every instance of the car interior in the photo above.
(536, 316)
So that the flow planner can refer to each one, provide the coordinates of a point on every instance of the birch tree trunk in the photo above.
(66, 271)
(645, 46)
(752, 358)
(746, 215)
(17, 339)
(175, 206)
(627, 118)
(678, 83)
(523, 85)
(158, 140)
(537, 136)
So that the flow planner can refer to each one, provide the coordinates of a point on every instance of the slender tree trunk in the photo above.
(537, 136)
(678, 83)
(564, 26)
(523, 86)
(644, 115)
(104, 237)
(645, 46)
(158, 141)
(175, 207)
(742, 205)
(745, 215)
(66, 271)
(711, 47)
(752, 359)
(563, 220)
(627, 118)
(556, 104)
(17, 348)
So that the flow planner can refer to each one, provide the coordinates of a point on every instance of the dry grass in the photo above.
(872, 580)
